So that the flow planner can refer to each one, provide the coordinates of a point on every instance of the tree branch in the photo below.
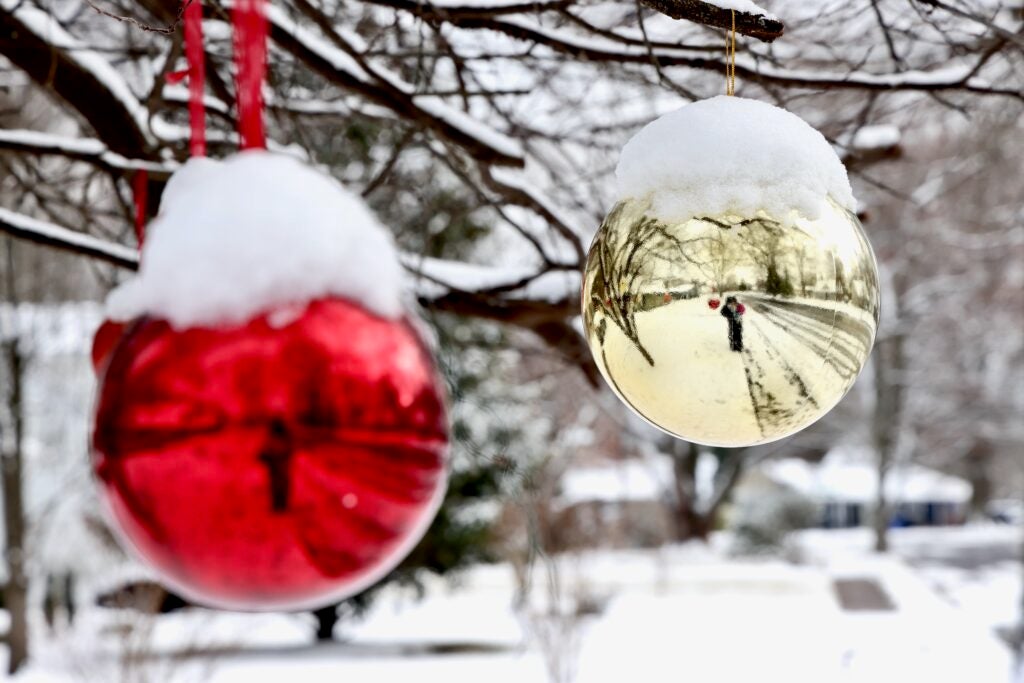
(50, 235)
(89, 151)
(500, 294)
(34, 42)
(764, 27)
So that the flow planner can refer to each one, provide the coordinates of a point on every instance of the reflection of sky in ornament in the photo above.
(809, 293)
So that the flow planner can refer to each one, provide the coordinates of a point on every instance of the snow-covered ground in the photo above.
(683, 613)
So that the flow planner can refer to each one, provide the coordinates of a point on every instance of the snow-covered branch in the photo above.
(606, 47)
(41, 232)
(436, 280)
(80, 149)
(543, 301)
(82, 77)
(750, 20)
(337, 63)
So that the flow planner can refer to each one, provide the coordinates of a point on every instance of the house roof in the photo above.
(849, 474)
(638, 479)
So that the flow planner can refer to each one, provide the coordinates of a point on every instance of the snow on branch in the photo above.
(388, 89)
(868, 138)
(956, 77)
(603, 48)
(42, 232)
(90, 151)
(85, 80)
(751, 20)
(871, 144)
(948, 78)
(436, 280)
(298, 104)
(542, 301)
(496, 7)
(515, 188)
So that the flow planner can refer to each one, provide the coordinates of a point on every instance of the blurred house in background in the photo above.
(844, 489)
(628, 503)
(623, 503)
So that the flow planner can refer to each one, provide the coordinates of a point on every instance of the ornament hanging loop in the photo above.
(730, 58)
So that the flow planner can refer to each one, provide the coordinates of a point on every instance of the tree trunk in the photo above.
(977, 465)
(885, 427)
(689, 523)
(1020, 625)
(16, 589)
(326, 619)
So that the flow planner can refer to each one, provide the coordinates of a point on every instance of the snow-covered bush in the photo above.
(762, 524)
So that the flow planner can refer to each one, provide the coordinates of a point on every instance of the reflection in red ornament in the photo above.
(282, 464)
(668, 297)
(713, 304)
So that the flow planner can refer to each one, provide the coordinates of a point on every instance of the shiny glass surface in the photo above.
(730, 330)
(282, 464)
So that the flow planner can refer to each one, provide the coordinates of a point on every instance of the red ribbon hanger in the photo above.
(140, 194)
(250, 47)
(196, 57)
(250, 24)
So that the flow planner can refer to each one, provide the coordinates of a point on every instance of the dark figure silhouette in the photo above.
(733, 312)
(277, 456)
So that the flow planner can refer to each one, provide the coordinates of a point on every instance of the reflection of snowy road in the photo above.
(839, 337)
(798, 361)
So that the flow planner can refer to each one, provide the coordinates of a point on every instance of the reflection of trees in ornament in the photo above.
(626, 259)
(722, 257)
(765, 242)
(804, 270)
(762, 242)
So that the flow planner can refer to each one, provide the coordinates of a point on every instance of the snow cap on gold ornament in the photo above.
(730, 297)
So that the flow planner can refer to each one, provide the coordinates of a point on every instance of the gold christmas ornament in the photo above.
(731, 300)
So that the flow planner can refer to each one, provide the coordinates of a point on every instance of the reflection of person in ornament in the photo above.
(733, 312)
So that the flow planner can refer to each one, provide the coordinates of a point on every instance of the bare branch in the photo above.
(166, 30)
(764, 27)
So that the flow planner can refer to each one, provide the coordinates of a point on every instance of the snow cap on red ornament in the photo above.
(253, 233)
(270, 433)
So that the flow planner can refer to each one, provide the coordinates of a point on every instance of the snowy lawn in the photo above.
(684, 613)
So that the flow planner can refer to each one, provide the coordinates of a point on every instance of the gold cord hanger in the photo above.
(730, 58)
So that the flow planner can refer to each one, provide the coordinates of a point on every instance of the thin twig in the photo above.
(166, 30)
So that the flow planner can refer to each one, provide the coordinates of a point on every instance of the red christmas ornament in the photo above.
(668, 297)
(281, 464)
(103, 343)
(713, 304)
